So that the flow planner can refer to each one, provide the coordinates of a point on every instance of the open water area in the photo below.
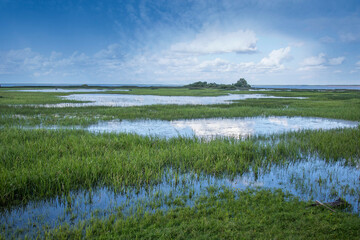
(60, 90)
(210, 128)
(128, 100)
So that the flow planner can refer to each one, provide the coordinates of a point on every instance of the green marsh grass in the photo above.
(337, 105)
(223, 214)
(37, 164)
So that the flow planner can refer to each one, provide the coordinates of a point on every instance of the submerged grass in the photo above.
(223, 214)
(37, 164)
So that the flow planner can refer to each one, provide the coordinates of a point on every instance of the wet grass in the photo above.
(338, 105)
(9, 96)
(37, 164)
(223, 214)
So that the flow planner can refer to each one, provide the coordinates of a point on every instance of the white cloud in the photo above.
(184, 68)
(314, 61)
(272, 63)
(21, 60)
(164, 66)
(358, 63)
(276, 57)
(336, 61)
(216, 65)
(216, 42)
(320, 62)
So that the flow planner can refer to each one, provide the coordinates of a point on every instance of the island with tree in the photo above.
(240, 84)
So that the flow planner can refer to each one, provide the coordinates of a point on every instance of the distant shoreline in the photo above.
(309, 87)
(305, 87)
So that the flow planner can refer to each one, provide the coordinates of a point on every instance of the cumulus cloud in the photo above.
(183, 68)
(320, 62)
(273, 62)
(314, 61)
(216, 42)
(217, 64)
(276, 58)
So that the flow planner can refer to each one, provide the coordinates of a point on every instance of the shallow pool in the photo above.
(128, 100)
(219, 127)
(60, 90)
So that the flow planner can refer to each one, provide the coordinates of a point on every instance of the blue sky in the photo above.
(179, 42)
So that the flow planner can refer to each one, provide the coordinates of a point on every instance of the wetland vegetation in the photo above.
(45, 164)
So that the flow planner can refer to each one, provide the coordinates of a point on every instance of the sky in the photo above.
(277, 42)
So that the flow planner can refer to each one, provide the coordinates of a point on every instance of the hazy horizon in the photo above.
(180, 42)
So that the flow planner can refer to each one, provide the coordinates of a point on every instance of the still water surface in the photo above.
(219, 127)
(128, 100)
(60, 90)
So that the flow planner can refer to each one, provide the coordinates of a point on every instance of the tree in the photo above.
(197, 84)
(242, 83)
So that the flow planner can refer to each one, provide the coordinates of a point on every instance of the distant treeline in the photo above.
(240, 84)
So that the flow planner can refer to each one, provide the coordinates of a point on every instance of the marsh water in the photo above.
(60, 90)
(128, 100)
(219, 127)
(310, 179)
(209, 128)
